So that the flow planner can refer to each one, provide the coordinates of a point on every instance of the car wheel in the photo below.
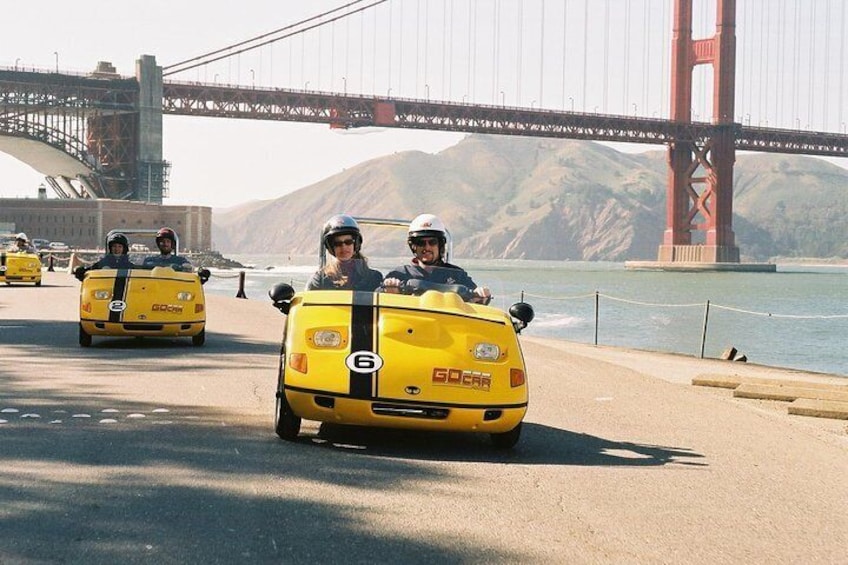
(84, 338)
(199, 339)
(38, 283)
(286, 423)
(506, 440)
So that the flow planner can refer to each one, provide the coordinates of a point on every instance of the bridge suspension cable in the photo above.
(251, 44)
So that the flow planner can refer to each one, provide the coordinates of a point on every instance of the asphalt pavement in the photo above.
(155, 451)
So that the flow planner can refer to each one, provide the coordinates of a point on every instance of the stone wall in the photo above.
(84, 223)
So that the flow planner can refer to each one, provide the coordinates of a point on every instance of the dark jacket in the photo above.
(113, 262)
(176, 262)
(444, 273)
(361, 277)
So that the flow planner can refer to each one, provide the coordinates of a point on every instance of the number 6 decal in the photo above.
(364, 362)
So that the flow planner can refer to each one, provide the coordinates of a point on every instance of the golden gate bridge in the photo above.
(455, 65)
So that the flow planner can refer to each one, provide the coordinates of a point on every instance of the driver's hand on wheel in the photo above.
(482, 294)
(392, 285)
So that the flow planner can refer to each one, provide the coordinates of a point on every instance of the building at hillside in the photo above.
(84, 223)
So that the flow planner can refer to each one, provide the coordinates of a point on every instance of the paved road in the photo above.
(158, 452)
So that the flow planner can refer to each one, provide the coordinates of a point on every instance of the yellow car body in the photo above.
(159, 302)
(427, 362)
(20, 268)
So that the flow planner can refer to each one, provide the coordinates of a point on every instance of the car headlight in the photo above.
(326, 338)
(487, 352)
(102, 294)
(185, 296)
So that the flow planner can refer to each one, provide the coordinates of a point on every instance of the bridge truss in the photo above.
(94, 120)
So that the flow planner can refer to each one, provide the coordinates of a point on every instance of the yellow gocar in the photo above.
(158, 302)
(426, 360)
(20, 268)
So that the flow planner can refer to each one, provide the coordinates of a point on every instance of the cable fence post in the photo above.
(50, 264)
(704, 332)
(240, 293)
(597, 295)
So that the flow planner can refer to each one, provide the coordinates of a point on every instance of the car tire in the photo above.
(38, 283)
(84, 338)
(199, 339)
(507, 440)
(286, 422)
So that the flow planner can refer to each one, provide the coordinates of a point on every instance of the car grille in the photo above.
(144, 327)
(403, 411)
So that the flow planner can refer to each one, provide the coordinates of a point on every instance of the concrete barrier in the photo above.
(819, 408)
(817, 399)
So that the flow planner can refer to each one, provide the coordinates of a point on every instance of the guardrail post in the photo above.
(597, 305)
(50, 264)
(704, 332)
(240, 293)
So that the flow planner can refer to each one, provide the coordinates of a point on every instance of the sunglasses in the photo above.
(342, 242)
(423, 241)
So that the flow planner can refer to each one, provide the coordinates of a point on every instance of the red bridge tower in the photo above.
(700, 178)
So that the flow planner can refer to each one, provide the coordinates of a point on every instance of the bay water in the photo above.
(795, 318)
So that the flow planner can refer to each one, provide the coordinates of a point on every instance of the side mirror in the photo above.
(204, 275)
(79, 273)
(281, 295)
(523, 314)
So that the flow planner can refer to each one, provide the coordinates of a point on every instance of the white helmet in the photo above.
(22, 237)
(427, 225)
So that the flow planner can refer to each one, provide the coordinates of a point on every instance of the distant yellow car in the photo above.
(427, 360)
(20, 268)
(159, 302)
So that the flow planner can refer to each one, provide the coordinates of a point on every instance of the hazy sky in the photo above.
(458, 50)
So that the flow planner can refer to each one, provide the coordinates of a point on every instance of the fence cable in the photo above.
(695, 304)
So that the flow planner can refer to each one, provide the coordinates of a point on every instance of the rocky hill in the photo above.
(511, 197)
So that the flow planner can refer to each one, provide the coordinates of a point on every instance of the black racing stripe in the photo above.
(362, 339)
(119, 292)
(2, 259)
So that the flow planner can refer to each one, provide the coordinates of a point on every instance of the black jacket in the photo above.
(114, 262)
(366, 279)
(176, 262)
(444, 273)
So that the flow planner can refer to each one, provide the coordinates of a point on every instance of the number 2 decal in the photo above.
(364, 362)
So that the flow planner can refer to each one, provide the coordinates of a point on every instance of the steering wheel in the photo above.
(417, 287)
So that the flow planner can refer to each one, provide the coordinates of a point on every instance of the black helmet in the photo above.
(166, 233)
(341, 225)
(118, 238)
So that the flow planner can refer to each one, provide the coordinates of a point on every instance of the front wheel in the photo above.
(286, 423)
(507, 440)
(84, 337)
